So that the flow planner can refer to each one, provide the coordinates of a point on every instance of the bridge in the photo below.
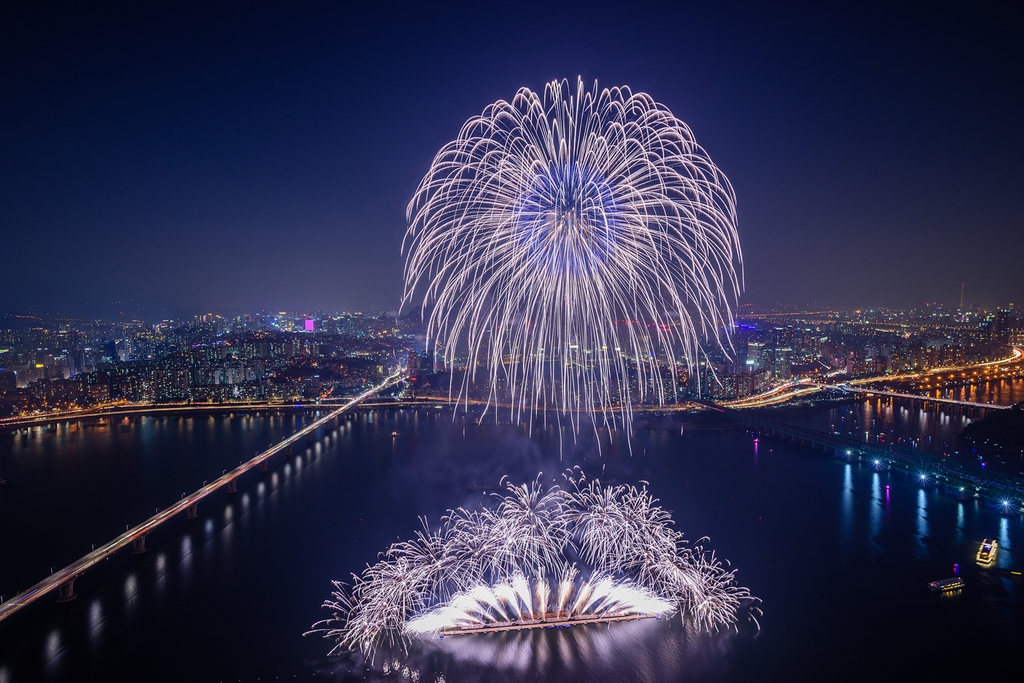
(63, 581)
(916, 397)
(967, 480)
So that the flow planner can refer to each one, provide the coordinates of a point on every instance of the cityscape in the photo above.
(534, 343)
(64, 365)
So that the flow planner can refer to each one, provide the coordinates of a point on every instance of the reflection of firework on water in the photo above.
(610, 552)
(638, 652)
(581, 245)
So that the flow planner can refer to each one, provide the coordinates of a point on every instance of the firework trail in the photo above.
(586, 551)
(581, 246)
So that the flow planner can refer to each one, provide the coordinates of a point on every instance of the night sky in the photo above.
(238, 158)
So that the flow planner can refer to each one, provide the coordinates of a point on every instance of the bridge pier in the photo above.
(66, 591)
(290, 450)
(264, 467)
(192, 511)
(310, 438)
(139, 545)
(233, 486)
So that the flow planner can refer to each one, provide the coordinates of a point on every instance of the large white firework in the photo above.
(539, 554)
(580, 245)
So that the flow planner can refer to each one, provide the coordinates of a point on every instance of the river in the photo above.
(839, 553)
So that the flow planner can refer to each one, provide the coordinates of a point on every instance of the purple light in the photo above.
(310, 325)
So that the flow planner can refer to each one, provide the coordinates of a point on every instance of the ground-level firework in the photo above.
(579, 245)
(538, 556)
(517, 604)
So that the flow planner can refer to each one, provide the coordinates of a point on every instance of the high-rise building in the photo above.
(412, 365)
(754, 355)
(783, 362)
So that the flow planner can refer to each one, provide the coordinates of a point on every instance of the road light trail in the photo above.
(792, 390)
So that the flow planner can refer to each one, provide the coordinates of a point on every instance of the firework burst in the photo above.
(580, 245)
(586, 552)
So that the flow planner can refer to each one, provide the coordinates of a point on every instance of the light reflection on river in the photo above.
(839, 552)
(931, 428)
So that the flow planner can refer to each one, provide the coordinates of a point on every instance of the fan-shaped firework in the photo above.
(581, 245)
(538, 555)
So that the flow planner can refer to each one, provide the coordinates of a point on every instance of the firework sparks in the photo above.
(512, 603)
(595, 553)
(581, 246)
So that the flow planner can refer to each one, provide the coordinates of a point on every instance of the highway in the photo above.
(1018, 355)
(792, 390)
(76, 569)
(126, 409)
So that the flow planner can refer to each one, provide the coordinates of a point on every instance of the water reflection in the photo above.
(959, 523)
(53, 648)
(923, 531)
(638, 652)
(187, 560)
(96, 619)
(1005, 551)
(847, 512)
(131, 587)
(875, 521)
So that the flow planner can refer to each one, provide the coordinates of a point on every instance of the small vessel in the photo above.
(947, 585)
(987, 552)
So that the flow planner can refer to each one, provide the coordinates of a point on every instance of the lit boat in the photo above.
(947, 585)
(987, 552)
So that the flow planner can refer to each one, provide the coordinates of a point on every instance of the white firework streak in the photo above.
(476, 608)
(569, 242)
(593, 551)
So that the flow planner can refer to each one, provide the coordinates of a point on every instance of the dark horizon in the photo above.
(239, 158)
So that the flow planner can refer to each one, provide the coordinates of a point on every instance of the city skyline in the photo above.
(229, 159)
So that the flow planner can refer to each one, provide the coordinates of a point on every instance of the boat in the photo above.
(947, 585)
(987, 552)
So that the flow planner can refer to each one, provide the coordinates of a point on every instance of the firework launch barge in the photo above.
(551, 620)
